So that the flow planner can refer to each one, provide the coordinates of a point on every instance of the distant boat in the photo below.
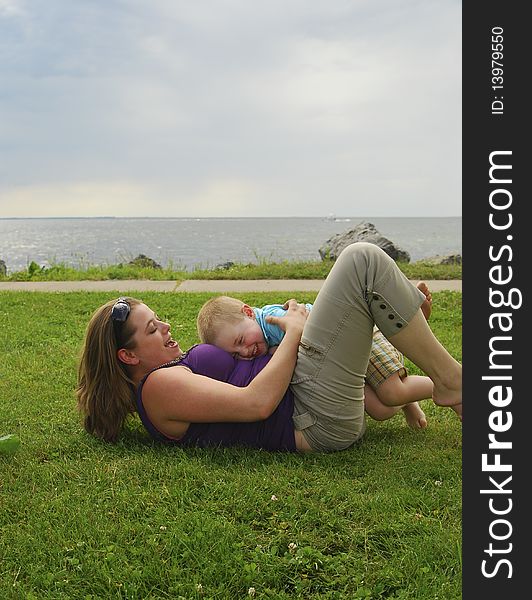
(333, 217)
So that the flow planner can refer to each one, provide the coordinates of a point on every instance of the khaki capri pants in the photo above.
(364, 288)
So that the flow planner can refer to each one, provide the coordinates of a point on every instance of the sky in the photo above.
(213, 108)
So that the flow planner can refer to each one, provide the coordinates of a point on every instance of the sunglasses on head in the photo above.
(119, 314)
(120, 311)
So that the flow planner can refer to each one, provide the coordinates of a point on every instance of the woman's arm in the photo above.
(177, 394)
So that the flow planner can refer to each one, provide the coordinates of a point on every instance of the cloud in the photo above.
(72, 199)
(284, 103)
(127, 198)
(12, 8)
(233, 195)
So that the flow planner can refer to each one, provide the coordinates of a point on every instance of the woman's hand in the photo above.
(178, 395)
(293, 320)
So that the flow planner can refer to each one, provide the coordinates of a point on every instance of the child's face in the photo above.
(243, 339)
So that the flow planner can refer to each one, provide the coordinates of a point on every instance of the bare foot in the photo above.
(449, 394)
(414, 416)
(426, 307)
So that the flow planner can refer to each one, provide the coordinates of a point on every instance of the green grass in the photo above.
(263, 270)
(80, 519)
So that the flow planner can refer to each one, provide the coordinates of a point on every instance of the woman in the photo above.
(308, 396)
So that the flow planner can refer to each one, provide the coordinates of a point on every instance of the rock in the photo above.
(144, 261)
(3, 269)
(448, 259)
(363, 232)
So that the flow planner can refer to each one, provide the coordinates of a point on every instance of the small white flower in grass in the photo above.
(438, 483)
(274, 497)
(199, 588)
(252, 591)
(292, 547)
(162, 527)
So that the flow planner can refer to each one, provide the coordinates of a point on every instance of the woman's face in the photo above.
(152, 343)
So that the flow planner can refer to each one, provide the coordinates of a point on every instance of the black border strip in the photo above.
(496, 522)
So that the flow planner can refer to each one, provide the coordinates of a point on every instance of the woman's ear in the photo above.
(248, 311)
(127, 357)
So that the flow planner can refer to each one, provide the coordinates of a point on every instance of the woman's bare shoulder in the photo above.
(160, 378)
(162, 395)
(164, 392)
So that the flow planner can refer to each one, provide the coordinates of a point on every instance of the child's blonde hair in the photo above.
(217, 312)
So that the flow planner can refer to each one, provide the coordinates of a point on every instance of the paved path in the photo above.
(193, 285)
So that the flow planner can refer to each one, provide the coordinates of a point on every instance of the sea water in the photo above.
(190, 243)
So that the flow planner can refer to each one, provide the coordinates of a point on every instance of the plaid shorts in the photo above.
(384, 361)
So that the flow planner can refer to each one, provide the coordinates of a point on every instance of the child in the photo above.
(244, 331)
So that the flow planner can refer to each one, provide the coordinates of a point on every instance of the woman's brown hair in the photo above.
(105, 392)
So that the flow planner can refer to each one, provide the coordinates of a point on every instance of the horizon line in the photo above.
(327, 217)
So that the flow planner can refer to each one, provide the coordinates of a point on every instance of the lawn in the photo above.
(81, 519)
(264, 269)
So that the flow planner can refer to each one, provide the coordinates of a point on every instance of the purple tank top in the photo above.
(274, 433)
